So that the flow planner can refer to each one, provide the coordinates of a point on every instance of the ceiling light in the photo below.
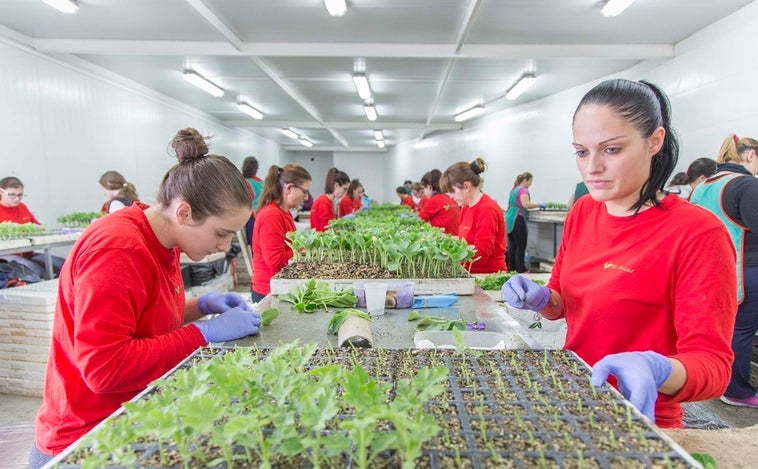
(370, 111)
(361, 84)
(469, 113)
(378, 135)
(305, 142)
(523, 84)
(66, 6)
(380, 143)
(290, 133)
(250, 110)
(203, 84)
(614, 7)
(335, 7)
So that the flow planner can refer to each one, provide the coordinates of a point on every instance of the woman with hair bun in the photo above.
(285, 188)
(323, 208)
(118, 190)
(482, 224)
(121, 318)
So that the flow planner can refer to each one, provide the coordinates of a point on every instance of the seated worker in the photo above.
(15, 211)
(405, 199)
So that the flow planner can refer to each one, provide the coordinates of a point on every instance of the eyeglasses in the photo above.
(18, 196)
(305, 192)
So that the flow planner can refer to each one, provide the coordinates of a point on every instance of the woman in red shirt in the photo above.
(482, 223)
(323, 210)
(438, 208)
(284, 189)
(351, 202)
(121, 318)
(405, 199)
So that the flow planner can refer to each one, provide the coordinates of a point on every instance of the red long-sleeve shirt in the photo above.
(441, 211)
(322, 211)
(483, 226)
(663, 280)
(270, 250)
(117, 326)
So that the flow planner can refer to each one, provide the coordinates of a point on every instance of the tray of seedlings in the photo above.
(300, 406)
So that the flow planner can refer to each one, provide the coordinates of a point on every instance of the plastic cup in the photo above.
(375, 295)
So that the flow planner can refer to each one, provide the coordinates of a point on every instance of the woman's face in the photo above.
(212, 235)
(428, 191)
(462, 195)
(339, 190)
(11, 197)
(613, 156)
(295, 195)
(358, 192)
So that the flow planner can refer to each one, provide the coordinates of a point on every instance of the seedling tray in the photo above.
(496, 409)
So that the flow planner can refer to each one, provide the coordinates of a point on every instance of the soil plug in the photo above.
(355, 332)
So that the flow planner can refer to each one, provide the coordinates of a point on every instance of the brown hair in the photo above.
(335, 176)
(10, 181)
(734, 148)
(210, 184)
(250, 167)
(127, 192)
(432, 178)
(460, 172)
(354, 185)
(277, 178)
(525, 176)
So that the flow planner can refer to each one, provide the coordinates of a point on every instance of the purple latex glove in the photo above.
(543, 206)
(233, 324)
(217, 303)
(639, 375)
(522, 293)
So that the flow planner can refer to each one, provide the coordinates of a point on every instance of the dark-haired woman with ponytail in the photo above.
(284, 189)
(481, 224)
(323, 208)
(438, 209)
(121, 318)
(516, 216)
(645, 280)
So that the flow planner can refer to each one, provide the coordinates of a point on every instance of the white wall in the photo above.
(712, 85)
(61, 127)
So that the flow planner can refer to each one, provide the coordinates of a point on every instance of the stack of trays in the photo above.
(26, 323)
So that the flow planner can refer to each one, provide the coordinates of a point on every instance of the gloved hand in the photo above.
(217, 303)
(349, 215)
(639, 375)
(434, 301)
(233, 324)
(365, 207)
(543, 206)
(522, 293)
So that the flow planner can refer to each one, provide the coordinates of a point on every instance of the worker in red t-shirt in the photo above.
(323, 209)
(405, 199)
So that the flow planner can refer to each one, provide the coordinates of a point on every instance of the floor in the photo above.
(17, 412)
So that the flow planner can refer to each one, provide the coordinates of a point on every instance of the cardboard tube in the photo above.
(355, 332)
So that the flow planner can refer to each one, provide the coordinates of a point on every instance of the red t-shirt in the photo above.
(270, 250)
(322, 211)
(347, 206)
(117, 326)
(408, 202)
(483, 226)
(18, 214)
(441, 211)
(662, 280)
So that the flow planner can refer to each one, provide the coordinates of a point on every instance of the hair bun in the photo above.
(188, 144)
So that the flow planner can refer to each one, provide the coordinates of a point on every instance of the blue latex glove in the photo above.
(522, 293)
(543, 206)
(365, 207)
(639, 375)
(403, 215)
(349, 215)
(233, 324)
(434, 301)
(217, 303)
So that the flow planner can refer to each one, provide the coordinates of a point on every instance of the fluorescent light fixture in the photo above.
(523, 84)
(469, 113)
(335, 7)
(378, 135)
(65, 6)
(370, 111)
(615, 7)
(361, 84)
(380, 143)
(290, 133)
(305, 142)
(203, 84)
(250, 110)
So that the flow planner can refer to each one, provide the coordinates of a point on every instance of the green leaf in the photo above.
(705, 459)
(268, 316)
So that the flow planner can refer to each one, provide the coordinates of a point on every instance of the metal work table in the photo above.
(392, 330)
(37, 243)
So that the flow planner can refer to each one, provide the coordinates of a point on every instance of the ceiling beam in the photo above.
(345, 125)
(293, 49)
